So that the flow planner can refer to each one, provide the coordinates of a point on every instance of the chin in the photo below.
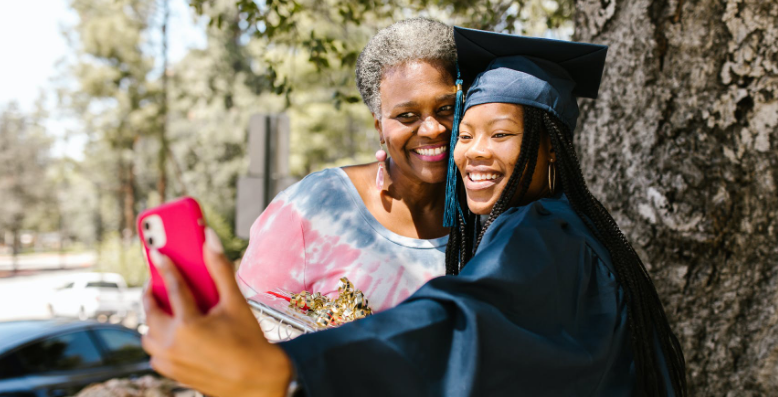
(432, 177)
(479, 208)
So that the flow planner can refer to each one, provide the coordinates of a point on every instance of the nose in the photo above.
(431, 128)
(479, 148)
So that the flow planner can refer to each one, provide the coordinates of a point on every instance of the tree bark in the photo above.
(682, 147)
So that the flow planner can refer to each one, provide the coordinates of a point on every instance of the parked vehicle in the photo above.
(59, 357)
(89, 295)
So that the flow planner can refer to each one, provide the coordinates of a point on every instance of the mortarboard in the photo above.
(543, 73)
(531, 71)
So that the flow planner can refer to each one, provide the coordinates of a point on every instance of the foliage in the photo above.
(233, 246)
(74, 203)
(306, 51)
(123, 256)
(333, 32)
(24, 158)
(115, 96)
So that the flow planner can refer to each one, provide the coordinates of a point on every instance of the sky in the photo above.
(31, 45)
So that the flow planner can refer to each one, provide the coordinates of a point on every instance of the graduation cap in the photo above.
(503, 68)
(531, 71)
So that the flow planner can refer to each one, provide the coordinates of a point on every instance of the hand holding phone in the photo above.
(177, 230)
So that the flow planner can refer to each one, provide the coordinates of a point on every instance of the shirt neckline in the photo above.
(378, 227)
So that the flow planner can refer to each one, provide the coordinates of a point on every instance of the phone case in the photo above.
(177, 230)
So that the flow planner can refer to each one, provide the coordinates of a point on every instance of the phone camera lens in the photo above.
(151, 241)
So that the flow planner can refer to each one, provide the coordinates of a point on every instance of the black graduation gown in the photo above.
(536, 312)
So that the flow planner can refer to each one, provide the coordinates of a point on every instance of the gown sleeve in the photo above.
(275, 257)
(536, 312)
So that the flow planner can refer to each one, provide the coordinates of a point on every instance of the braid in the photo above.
(452, 250)
(459, 248)
(646, 317)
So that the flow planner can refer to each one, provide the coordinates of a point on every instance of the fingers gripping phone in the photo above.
(177, 230)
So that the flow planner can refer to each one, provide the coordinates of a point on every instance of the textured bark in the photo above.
(682, 147)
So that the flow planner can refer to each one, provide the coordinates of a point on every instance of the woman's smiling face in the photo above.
(487, 150)
(417, 112)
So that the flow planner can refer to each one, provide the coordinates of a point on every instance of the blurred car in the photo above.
(90, 295)
(59, 357)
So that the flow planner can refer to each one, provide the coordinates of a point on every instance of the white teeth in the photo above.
(482, 177)
(432, 152)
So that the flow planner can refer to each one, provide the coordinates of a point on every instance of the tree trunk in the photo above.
(127, 199)
(15, 248)
(163, 144)
(682, 147)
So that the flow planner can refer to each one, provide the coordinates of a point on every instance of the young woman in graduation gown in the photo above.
(545, 296)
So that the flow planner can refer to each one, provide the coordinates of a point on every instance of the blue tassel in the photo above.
(452, 202)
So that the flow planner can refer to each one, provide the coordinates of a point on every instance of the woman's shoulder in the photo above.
(318, 185)
(549, 218)
(544, 213)
(327, 193)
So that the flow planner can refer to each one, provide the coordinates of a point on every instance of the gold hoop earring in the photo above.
(551, 176)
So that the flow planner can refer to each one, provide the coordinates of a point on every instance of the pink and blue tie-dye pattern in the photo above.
(319, 230)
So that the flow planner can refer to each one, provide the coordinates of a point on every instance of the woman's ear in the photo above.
(377, 125)
(551, 152)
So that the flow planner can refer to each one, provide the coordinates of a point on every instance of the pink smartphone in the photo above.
(177, 230)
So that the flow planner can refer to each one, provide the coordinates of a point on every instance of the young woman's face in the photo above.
(417, 111)
(488, 148)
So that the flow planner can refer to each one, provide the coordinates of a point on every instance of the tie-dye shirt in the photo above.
(319, 230)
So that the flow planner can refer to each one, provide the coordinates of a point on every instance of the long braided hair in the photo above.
(645, 315)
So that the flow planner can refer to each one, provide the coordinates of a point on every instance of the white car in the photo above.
(89, 295)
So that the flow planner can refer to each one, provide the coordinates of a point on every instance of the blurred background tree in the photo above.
(24, 159)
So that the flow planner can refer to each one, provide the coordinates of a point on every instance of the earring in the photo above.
(551, 176)
(380, 155)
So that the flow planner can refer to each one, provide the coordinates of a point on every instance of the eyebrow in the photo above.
(493, 121)
(503, 118)
(446, 97)
(406, 105)
(441, 98)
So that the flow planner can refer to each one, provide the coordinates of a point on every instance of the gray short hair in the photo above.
(403, 41)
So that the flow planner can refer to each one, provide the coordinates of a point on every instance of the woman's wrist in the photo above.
(271, 374)
(286, 371)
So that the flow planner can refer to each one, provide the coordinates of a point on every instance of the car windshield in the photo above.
(122, 346)
(60, 353)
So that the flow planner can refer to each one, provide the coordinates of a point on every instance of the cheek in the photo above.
(509, 159)
(393, 131)
(447, 122)
(459, 157)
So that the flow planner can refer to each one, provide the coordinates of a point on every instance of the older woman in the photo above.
(378, 224)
